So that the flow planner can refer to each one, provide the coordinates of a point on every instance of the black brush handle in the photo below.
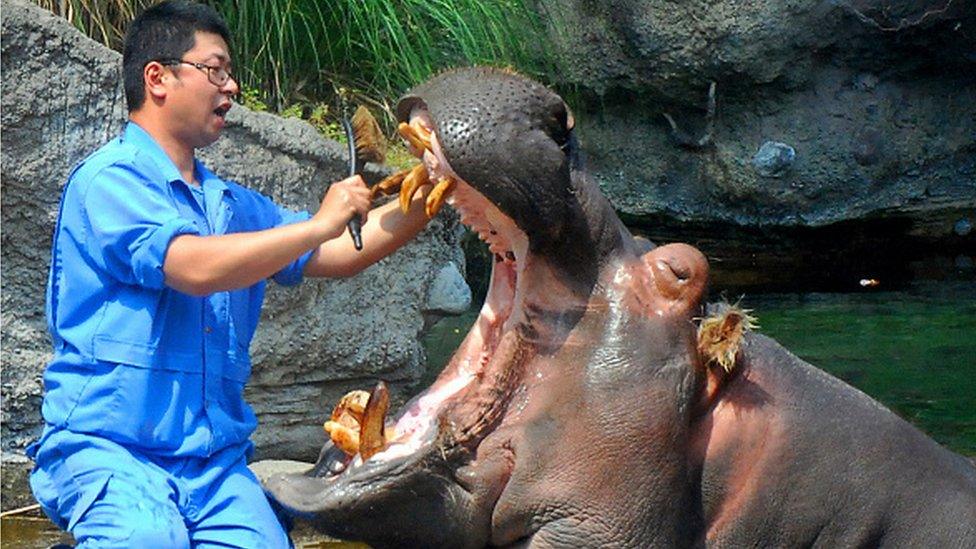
(355, 224)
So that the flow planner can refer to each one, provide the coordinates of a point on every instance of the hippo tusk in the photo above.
(416, 179)
(372, 436)
(357, 424)
(416, 136)
(344, 423)
(345, 438)
(438, 196)
(389, 184)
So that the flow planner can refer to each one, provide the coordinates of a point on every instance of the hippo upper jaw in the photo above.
(513, 141)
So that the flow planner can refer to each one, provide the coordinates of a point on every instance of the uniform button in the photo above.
(207, 329)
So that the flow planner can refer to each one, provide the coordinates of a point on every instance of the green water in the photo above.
(914, 349)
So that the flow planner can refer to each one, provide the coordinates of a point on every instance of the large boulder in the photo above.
(851, 112)
(62, 98)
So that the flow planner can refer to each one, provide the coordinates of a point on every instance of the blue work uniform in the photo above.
(146, 428)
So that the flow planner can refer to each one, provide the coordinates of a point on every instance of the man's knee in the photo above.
(128, 515)
(175, 536)
(138, 532)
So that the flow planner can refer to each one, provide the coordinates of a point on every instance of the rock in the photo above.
(962, 227)
(814, 73)
(62, 98)
(868, 147)
(773, 159)
(14, 488)
(449, 294)
(865, 82)
(266, 468)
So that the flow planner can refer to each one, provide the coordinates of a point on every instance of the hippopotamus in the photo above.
(582, 410)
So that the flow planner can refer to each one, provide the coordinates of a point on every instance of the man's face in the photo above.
(196, 105)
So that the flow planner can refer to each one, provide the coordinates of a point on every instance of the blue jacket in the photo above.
(135, 361)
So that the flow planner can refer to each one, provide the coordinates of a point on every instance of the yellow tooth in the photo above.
(345, 438)
(353, 404)
(438, 196)
(389, 185)
(421, 132)
(372, 438)
(416, 136)
(417, 178)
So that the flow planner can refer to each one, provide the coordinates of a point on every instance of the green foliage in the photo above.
(103, 20)
(373, 50)
(297, 56)
(251, 98)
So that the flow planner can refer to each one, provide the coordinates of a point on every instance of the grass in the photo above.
(101, 20)
(310, 52)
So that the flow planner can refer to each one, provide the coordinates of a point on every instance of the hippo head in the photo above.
(575, 380)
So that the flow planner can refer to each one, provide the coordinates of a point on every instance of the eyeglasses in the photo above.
(217, 75)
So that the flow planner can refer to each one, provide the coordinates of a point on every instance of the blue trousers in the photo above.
(107, 495)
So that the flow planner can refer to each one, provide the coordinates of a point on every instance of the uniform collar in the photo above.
(207, 178)
(140, 138)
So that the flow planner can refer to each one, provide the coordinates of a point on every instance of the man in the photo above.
(156, 283)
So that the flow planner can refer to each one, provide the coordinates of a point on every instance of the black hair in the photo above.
(164, 31)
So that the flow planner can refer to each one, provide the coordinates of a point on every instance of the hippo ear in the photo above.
(720, 336)
(680, 276)
(721, 332)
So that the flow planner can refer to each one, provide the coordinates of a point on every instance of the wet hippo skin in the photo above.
(579, 412)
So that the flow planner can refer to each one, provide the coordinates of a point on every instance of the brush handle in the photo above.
(354, 224)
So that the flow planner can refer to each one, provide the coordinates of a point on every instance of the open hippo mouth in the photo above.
(569, 289)
(470, 395)
(436, 416)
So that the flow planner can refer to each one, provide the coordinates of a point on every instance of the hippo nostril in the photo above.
(681, 271)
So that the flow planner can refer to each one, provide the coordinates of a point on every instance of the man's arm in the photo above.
(386, 230)
(201, 265)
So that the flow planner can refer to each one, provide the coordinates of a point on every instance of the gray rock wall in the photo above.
(61, 99)
(875, 97)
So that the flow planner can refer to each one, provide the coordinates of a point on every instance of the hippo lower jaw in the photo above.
(439, 430)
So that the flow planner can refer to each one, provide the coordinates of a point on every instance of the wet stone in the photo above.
(963, 227)
(773, 159)
(448, 293)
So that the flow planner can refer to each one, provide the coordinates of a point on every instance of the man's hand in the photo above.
(344, 199)
(388, 229)
(201, 265)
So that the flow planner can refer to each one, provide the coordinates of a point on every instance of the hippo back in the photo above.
(795, 457)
